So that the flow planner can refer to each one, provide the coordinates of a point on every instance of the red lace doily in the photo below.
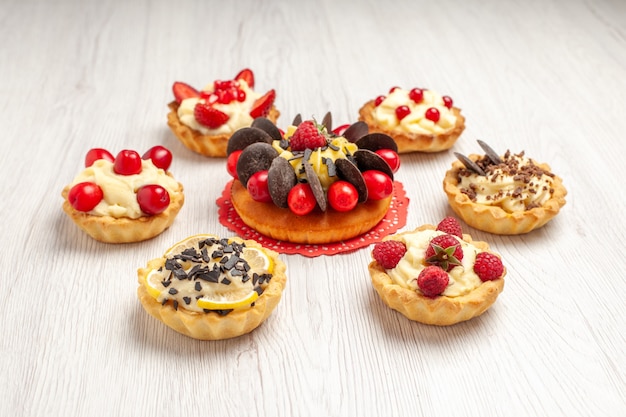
(393, 220)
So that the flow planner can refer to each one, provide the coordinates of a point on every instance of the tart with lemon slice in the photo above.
(212, 288)
(418, 119)
(203, 120)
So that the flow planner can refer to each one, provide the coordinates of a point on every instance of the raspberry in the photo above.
(389, 253)
(488, 266)
(451, 226)
(432, 281)
(307, 136)
(444, 251)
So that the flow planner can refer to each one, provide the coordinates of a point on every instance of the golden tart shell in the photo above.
(207, 145)
(109, 229)
(212, 326)
(440, 310)
(316, 227)
(494, 219)
(413, 142)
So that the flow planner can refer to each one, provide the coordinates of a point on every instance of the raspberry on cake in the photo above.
(509, 194)
(212, 288)
(126, 198)
(205, 119)
(413, 278)
(311, 184)
(417, 119)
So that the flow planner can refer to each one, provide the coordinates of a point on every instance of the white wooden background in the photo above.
(545, 76)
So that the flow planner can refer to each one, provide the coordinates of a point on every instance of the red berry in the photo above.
(379, 185)
(84, 196)
(127, 162)
(379, 100)
(307, 136)
(263, 104)
(388, 253)
(451, 226)
(488, 266)
(231, 163)
(447, 101)
(160, 156)
(391, 157)
(258, 188)
(432, 114)
(402, 112)
(392, 89)
(226, 95)
(339, 130)
(209, 116)
(223, 85)
(183, 91)
(417, 95)
(432, 281)
(247, 75)
(153, 199)
(342, 196)
(97, 153)
(444, 251)
(301, 199)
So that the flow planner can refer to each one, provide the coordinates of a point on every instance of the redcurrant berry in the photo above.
(153, 199)
(417, 95)
(391, 157)
(379, 185)
(258, 188)
(379, 100)
(97, 153)
(231, 163)
(342, 196)
(402, 112)
(301, 199)
(160, 156)
(447, 101)
(127, 163)
(84, 196)
(432, 114)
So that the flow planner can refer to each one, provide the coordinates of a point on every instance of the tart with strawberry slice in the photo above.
(212, 288)
(417, 119)
(203, 120)
(126, 198)
(311, 184)
(436, 274)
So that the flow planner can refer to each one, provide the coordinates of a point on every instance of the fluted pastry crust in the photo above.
(109, 229)
(440, 310)
(316, 227)
(207, 145)
(212, 326)
(494, 219)
(413, 142)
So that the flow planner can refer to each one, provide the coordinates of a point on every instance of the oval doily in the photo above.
(393, 220)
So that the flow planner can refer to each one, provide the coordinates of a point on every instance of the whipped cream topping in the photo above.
(120, 199)
(517, 184)
(218, 269)
(416, 122)
(238, 111)
(462, 278)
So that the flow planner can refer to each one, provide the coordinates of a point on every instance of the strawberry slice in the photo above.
(262, 105)
(209, 116)
(247, 75)
(183, 91)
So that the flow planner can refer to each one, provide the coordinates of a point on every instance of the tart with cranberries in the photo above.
(506, 194)
(212, 288)
(311, 184)
(126, 198)
(436, 274)
(203, 120)
(417, 119)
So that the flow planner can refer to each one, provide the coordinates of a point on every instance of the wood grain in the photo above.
(547, 77)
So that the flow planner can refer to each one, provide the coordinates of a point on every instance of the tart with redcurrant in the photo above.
(212, 288)
(311, 184)
(436, 274)
(203, 120)
(417, 119)
(506, 194)
(126, 198)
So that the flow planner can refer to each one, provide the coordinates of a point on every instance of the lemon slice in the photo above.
(190, 242)
(257, 259)
(228, 301)
(150, 284)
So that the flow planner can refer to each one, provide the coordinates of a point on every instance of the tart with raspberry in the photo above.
(203, 120)
(126, 198)
(506, 194)
(417, 119)
(436, 274)
(311, 184)
(212, 288)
